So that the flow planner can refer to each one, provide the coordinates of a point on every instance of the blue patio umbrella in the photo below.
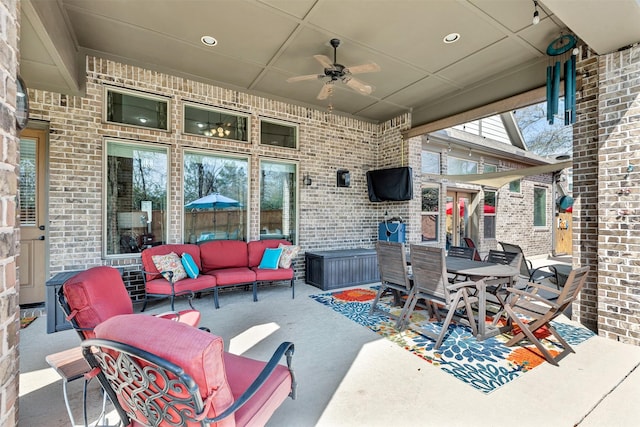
(212, 201)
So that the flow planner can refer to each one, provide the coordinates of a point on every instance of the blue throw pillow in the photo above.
(270, 258)
(190, 266)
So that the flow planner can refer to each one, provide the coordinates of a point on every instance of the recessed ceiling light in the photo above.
(451, 38)
(208, 41)
(143, 119)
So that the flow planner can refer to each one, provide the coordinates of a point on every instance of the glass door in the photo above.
(458, 224)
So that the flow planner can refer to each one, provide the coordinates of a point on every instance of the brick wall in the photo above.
(329, 217)
(9, 233)
(618, 289)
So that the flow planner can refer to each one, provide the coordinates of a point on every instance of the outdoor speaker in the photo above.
(344, 178)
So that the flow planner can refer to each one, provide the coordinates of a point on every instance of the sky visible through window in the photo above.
(542, 138)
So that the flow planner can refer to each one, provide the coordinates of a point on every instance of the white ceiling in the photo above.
(261, 43)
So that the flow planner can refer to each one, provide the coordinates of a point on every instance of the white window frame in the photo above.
(295, 126)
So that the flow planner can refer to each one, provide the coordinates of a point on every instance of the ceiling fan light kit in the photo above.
(336, 72)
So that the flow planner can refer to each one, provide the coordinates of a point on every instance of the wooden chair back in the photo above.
(392, 263)
(572, 287)
(461, 252)
(430, 271)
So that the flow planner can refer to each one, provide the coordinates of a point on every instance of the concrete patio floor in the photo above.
(350, 376)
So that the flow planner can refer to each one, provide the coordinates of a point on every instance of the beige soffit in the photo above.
(498, 179)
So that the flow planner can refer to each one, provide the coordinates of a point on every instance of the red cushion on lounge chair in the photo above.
(241, 372)
(95, 295)
(199, 353)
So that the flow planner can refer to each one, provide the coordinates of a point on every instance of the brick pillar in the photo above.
(9, 233)
(585, 186)
(619, 195)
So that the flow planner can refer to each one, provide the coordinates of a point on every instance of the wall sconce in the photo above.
(306, 180)
(343, 178)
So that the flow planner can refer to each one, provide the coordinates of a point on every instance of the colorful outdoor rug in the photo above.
(26, 321)
(485, 365)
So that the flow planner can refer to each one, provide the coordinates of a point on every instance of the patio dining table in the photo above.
(472, 268)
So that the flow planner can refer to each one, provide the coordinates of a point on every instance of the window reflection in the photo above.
(278, 201)
(215, 196)
(136, 192)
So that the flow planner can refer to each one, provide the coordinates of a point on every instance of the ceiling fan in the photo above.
(338, 72)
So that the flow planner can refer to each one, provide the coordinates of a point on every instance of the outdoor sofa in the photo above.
(173, 270)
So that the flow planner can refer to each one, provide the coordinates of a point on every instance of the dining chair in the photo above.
(460, 252)
(431, 285)
(392, 264)
(540, 311)
(471, 244)
(527, 271)
(496, 286)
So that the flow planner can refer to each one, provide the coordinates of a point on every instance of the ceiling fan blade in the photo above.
(371, 67)
(307, 77)
(324, 61)
(326, 91)
(358, 85)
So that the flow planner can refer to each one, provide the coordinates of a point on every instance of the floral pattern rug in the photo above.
(485, 365)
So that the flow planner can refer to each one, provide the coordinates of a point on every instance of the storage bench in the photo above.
(341, 268)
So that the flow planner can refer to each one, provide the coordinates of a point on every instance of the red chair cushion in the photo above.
(234, 276)
(241, 372)
(219, 254)
(199, 353)
(147, 254)
(257, 247)
(95, 295)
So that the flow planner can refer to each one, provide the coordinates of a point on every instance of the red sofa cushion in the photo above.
(147, 254)
(233, 276)
(256, 249)
(95, 295)
(199, 353)
(268, 275)
(161, 286)
(219, 254)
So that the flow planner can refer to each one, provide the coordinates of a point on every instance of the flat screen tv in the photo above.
(394, 184)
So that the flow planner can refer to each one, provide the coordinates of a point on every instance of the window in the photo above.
(222, 182)
(430, 162)
(539, 207)
(136, 197)
(430, 214)
(489, 214)
(28, 181)
(457, 166)
(136, 108)
(279, 134)
(278, 200)
(215, 123)
(514, 186)
(487, 168)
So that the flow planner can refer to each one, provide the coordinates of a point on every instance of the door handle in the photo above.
(41, 238)
(41, 227)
